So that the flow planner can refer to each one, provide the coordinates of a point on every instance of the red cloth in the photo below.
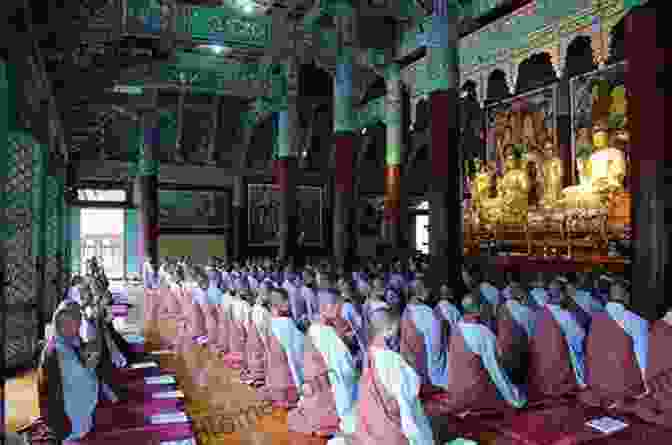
(379, 419)
(412, 348)
(612, 372)
(280, 387)
(565, 424)
(316, 412)
(551, 374)
(470, 387)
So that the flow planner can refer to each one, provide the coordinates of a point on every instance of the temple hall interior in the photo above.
(342, 222)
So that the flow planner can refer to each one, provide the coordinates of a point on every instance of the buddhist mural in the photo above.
(521, 137)
(264, 220)
(192, 209)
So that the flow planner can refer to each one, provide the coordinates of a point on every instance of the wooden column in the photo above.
(650, 184)
(394, 141)
(239, 217)
(446, 236)
(147, 183)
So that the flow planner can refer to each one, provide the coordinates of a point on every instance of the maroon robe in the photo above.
(470, 387)
(413, 348)
(656, 407)
(612, 371)
(316, 412)
(280, 388)
(378, 417)
(551, 374)
(50, 394)
(513, 346)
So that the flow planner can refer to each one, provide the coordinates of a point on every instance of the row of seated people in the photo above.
(324, 351)
(88, 390)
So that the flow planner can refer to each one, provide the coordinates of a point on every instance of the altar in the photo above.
(517, 200)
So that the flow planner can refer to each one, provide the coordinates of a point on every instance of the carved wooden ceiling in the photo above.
(111, 42)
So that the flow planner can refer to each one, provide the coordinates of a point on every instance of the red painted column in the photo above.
(285, 180)
(650, 188)
(344, 182)
(446, 236)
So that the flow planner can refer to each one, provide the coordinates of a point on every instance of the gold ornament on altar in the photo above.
(552, 172)
(511, 203)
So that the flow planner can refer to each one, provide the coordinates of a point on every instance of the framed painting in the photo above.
(264, 215)
(192, 209)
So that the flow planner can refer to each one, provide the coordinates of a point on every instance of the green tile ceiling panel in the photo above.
(228, 27)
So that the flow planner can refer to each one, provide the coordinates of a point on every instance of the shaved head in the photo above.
(471, 304)
(385, 321)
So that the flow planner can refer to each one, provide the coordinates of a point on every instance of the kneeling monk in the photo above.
(68, 387)
(389, 410)
(330, 374)
(477, 382)
(655, 405)
(284, 357)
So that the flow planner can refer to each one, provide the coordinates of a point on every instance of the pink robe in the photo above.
(612, 371)
(236, 356)
(211, 316)
(379, 418)
(470, 387)
(255, 370)
(280, 388)
(316, 412)
(223, 328)
(551, 375)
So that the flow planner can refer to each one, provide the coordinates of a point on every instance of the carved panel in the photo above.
(20, 274)
(227, 27)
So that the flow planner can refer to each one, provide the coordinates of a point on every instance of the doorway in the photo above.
(102, 236)
(422, 227)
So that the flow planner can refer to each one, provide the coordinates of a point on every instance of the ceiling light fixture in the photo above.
(216, 49)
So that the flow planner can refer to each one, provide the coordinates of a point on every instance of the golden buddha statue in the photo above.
(481, 185)
(553, 173)
(605, 175)
(511, 204)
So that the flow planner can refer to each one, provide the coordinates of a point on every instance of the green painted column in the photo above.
(393, 153)
(75, 239)
(131, 235)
